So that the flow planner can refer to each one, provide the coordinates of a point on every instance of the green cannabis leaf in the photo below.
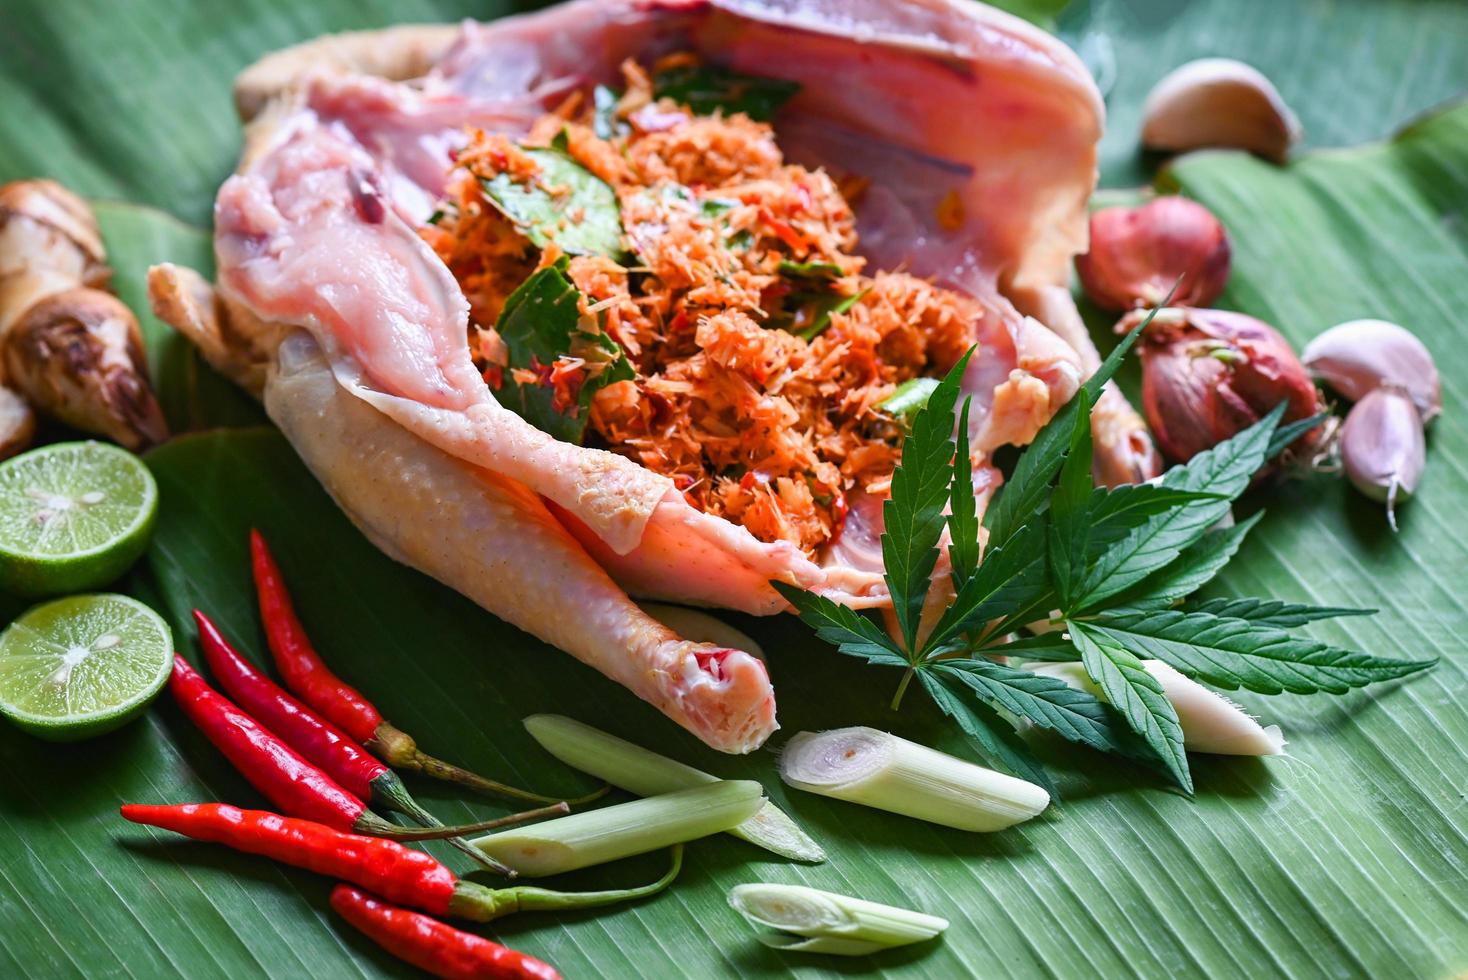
(1137, 694)
(1097, 572)
(1273, 612)
(913, 515)
(1233, 653)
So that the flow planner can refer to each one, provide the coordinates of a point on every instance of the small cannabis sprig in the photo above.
(1109, 568)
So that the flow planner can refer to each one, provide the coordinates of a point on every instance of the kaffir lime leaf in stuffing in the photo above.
(83, 665)
(73, 516)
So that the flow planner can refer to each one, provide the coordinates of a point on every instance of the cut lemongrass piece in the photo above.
(808, 920)
(645, 773)
(864, 765)
(700, 627)
(1210, 722)
(599, 836)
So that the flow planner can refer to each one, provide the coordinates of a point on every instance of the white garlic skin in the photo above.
(1211, 723)
(1383, 447)
(1219, 102)
(1360, 355)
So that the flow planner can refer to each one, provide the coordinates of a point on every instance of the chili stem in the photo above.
(399, 749)
(480, 904)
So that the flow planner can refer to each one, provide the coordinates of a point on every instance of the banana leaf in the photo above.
(1348, 857)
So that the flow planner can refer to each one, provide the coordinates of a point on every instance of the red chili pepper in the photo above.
(298, 661)
(397, 873)
(303, 729)
(307, 675)
(433, 946)
(316, 739)
(292, 783)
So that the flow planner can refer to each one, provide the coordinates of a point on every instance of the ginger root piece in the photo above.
(73, 351)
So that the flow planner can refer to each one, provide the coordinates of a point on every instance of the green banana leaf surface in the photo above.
(1348, 857)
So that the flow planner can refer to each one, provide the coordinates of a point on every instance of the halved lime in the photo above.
(83, 665)
(73, 516)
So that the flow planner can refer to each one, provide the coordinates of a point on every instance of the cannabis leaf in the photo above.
(1193, 568)
(1273, 612)
(848, 630)
(1233, 653)
(1113, 561)
(1024, 493)
(995, 736)
(1047, 701)
(913, 514)
(963, 517)
(1137, 694)
(1225, 470)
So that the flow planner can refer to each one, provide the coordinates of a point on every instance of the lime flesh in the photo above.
(83, 665)
(73, 516)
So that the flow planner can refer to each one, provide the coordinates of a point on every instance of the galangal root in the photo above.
(67, 347)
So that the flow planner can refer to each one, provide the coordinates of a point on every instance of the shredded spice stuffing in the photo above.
(759, 345)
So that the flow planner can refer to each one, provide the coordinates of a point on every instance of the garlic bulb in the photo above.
(1383, 447)
(1211, 722)
(1138, 254)
(1218, 102)
(1360, 355)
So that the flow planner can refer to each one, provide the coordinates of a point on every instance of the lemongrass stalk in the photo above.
(645, 773)
(1210, 722)
(700, 627)
(809, 920)
(599, 836)
(878, 769)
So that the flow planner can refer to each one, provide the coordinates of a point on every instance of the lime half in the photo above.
(83, 665)
(73, 516)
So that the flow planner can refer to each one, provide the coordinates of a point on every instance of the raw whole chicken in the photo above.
(974, 133)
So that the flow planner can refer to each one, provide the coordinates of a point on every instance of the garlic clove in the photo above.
(1137, 255)
(1360, 355)
(1383, 447)
(1219, 102)
(1211, 722)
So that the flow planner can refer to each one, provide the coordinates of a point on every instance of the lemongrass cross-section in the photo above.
(809, 920)
(878, 769)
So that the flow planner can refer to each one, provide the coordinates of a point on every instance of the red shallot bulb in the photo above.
(1209, 374)
(1137, 254)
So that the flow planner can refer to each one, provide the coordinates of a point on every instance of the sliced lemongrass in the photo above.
(598, 836)
(878, 769)
(1210, 722)
(700, 627)
(809, 920)
(645, 773)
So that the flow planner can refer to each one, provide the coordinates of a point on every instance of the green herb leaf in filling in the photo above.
(565, 203)
(539, 324)
(706, 89)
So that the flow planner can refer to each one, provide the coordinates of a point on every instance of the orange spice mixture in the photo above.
(760, 406)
